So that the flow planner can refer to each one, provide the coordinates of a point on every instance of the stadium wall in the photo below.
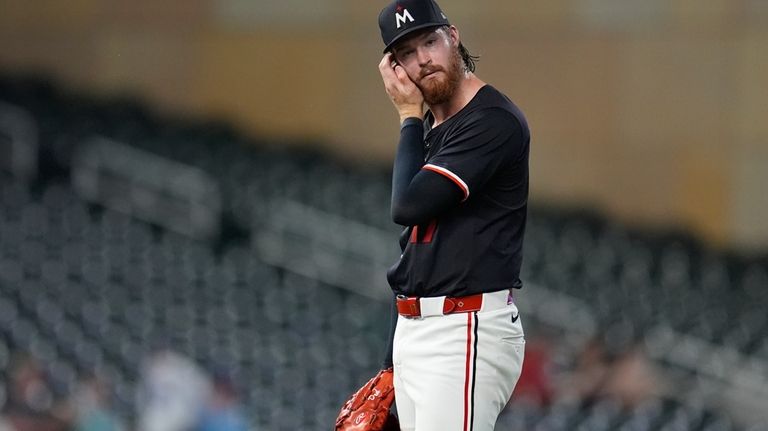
(653, 111)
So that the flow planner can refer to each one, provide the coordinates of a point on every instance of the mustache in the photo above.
(430, 69)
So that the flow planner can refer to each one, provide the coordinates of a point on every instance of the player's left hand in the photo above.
(368, 408)
(405, 95)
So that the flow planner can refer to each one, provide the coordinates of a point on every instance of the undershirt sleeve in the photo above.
(418, 195)
(387, 362)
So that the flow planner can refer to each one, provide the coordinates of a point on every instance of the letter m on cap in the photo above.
(400, 18)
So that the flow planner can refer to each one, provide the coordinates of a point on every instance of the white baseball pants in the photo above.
(456, 372)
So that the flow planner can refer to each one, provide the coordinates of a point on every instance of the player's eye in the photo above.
(431, 41)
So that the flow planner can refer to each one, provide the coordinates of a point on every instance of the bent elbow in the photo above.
(405, 216)
(399, 217)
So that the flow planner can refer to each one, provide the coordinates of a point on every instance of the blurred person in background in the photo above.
(91, 402)
(590, 370)
(620, 372)
(31, 404)
(223, 411)
(172, 392)
(631, 378)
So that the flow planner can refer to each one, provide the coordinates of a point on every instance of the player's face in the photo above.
(433, 63)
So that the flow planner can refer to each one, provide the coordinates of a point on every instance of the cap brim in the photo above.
(409, 31)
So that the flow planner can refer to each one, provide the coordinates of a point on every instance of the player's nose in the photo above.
(423, 56)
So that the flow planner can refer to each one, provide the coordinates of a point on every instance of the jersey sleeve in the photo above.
(477, 149)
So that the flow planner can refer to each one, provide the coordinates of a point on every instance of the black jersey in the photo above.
(476, 246)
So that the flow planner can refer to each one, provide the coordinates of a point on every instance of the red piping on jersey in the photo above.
(451, 176)
(427, 236)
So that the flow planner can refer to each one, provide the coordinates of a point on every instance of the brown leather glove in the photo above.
(368, 408)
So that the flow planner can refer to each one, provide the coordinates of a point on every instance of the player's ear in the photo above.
(453, 34)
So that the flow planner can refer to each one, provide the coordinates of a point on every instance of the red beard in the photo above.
(440, 88)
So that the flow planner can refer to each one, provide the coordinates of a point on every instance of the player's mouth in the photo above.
(428, 73)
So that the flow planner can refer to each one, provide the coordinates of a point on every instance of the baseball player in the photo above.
(460, 186)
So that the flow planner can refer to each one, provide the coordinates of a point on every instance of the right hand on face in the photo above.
(405, 95)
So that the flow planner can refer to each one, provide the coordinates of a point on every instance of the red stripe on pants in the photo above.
(467, 370)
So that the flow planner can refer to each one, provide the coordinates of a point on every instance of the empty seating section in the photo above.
(83, 287)
(103, 290)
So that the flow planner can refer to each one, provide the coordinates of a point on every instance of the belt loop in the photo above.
(431, 306)
(495, 300)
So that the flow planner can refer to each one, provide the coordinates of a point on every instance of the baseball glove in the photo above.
(368, 408)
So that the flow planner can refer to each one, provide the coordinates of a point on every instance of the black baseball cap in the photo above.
(402, 17)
